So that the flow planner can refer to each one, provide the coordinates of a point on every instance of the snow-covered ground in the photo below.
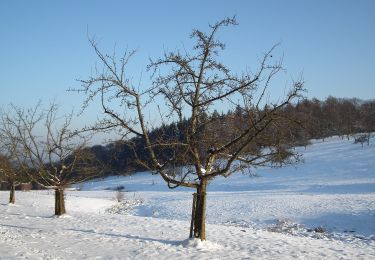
(278, 214)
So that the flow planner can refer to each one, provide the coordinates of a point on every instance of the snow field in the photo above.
(94, 235)
(276, 215)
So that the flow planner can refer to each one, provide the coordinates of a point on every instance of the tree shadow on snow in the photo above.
(356, 188)
(167, 242)
(358, 224)
(15, 226)
(33, 216)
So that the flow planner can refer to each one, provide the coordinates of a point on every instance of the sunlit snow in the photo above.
(323, 208)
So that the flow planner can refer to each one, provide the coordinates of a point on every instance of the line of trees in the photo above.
(312, 119)
(335, 116)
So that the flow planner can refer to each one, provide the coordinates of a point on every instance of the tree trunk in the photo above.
(193, 215)
(12, 196)
(59, 202)
(200, 211)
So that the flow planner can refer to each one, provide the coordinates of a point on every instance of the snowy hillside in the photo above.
(321, 208)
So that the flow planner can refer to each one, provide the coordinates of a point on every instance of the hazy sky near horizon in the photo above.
(44, 46)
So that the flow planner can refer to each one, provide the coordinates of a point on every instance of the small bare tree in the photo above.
(48, 150)
(10, 169)
(193, 84)
(8, 174)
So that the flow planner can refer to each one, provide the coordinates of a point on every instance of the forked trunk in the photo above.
(12, 196)
(59, 202)
(200, 212)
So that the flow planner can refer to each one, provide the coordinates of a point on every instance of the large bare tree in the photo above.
(48, 150)
(188, 86)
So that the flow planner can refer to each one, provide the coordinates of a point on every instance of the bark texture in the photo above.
(59, 202)
(200, 212)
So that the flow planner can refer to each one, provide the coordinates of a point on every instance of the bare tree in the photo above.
(8, 174)
(193, 84)
(48, 150)
(367, 122)
(10, 170)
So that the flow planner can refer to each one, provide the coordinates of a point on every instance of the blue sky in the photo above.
(44, 46)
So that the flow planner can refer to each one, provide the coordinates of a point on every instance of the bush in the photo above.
(361, 138)
(319, 230)
(120, 188)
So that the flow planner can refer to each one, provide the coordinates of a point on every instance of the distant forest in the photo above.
(313, 119)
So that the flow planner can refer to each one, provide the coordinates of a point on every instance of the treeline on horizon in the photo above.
(314, 119)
